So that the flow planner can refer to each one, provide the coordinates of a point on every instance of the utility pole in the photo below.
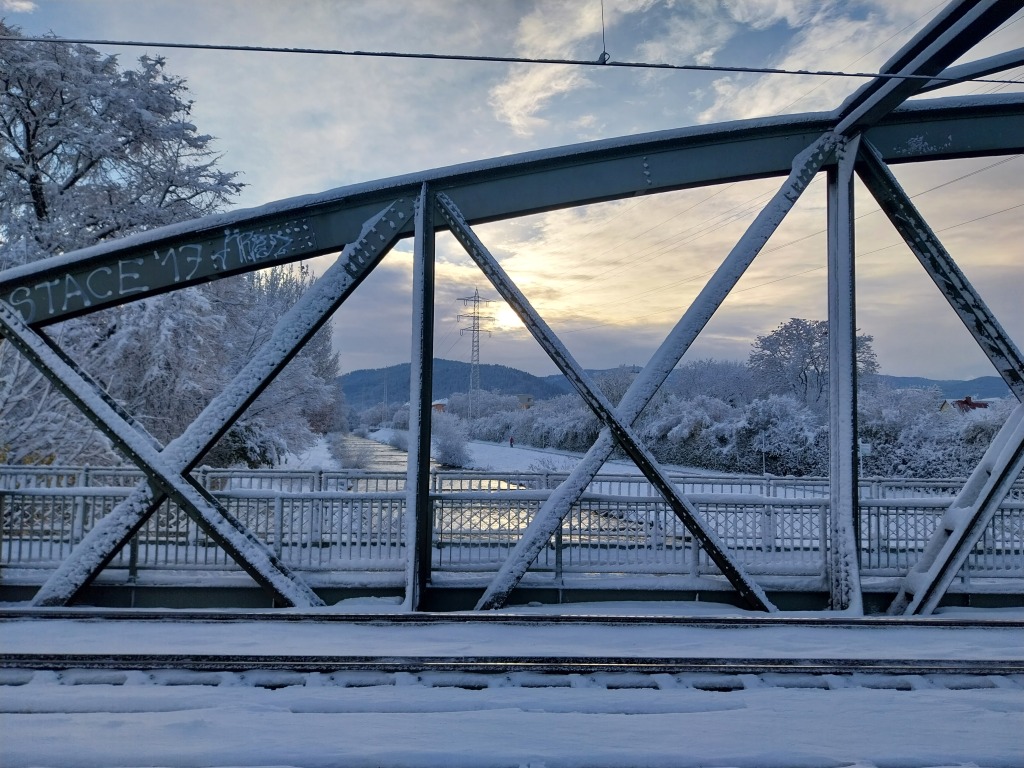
(475, 319)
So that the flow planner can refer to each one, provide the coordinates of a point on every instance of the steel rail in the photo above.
(556, 665)
(880, 622)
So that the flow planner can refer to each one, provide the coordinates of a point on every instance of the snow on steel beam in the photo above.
(980, 68)
(249, 552)
(844, 520)
(292, 331)
(602, 407)
(942, 269)
(643, 388)
(953, 32)
(188, 253)
(965, 522)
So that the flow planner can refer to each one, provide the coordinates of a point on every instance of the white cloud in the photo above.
(518, 100)
(18, 6)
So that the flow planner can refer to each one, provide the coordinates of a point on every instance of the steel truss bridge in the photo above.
(874, 128)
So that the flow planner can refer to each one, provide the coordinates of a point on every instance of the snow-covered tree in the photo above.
(911, 437)
(614, 383)
(794, 359)
(89, 152)
(484, 403)
(727, 380)
(34, 421)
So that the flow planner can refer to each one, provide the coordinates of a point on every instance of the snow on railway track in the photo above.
(86, 688)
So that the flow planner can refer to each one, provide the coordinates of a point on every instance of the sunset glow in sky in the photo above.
(612, 278)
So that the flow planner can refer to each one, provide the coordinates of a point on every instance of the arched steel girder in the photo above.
(206, 249)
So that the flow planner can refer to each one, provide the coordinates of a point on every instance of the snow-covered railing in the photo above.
(300, 480)
(352, 521)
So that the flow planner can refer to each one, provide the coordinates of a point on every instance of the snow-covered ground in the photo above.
(411, 721)
(318, 456)
(526, 458)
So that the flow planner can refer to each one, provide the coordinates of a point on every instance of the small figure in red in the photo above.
(511, 442)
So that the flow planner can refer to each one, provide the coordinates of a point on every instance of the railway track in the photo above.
(480, 666)
(611, 674)
(492, 617)
(505, 665)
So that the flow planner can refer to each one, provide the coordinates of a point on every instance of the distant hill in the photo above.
(367, 388)
(951, 389)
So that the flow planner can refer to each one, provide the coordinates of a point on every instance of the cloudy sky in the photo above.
(612, 278)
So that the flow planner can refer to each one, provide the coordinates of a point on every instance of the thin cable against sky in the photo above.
(599, 62)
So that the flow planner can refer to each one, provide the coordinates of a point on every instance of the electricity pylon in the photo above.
(475, 319)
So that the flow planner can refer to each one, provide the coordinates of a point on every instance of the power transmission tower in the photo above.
(475, 319)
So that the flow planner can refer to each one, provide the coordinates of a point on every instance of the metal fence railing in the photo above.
(355, 520)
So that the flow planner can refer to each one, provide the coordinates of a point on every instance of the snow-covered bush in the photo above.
(448, 437)
(484, 403)
(782, 436)
(699, 432)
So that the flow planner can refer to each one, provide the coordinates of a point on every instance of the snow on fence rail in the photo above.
(354, 521)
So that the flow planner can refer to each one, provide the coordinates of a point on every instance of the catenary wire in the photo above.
(600, 62)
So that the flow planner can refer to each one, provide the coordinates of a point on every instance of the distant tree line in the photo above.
(769, 414)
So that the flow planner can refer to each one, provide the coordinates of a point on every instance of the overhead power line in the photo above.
(601, 61)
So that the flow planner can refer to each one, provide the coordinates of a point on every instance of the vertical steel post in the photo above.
(844, 554)
(419, 506)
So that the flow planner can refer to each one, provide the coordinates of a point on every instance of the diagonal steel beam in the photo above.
(964, 523)
(183, 453)
(942, 269)
(242, 546)
(980, 68)
(599, 403)
(547, 520)
(954, 31)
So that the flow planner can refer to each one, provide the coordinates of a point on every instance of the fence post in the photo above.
(558, 553)
(278, 524)
(768, 529)
(316, 513)
(133, 559)
(78, 521)
(3, 521)
(823, 529)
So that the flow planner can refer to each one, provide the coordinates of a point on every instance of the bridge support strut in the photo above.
(844, 518)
